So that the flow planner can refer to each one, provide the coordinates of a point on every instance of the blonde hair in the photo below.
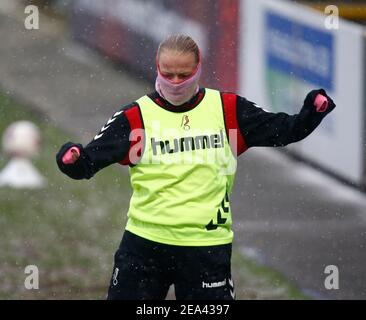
(181, 44)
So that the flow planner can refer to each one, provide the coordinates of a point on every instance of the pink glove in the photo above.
(321, 103)
(71, 155)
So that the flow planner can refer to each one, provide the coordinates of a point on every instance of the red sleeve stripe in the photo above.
(236, 139)
(136, 136)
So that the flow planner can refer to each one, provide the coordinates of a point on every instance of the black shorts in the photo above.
(144, 269)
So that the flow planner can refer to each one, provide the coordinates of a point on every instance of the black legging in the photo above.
(144, 269)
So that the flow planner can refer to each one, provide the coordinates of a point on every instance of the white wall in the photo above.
(286, 51)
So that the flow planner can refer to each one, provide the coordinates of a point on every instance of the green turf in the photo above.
(256, 281)
(71, 229)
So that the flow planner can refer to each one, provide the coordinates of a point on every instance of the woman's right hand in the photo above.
(69, 153)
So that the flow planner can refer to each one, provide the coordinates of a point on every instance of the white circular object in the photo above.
(21, 139)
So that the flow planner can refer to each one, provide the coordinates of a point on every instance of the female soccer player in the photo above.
(181, 143)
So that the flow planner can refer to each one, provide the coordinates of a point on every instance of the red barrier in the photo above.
(129, 31)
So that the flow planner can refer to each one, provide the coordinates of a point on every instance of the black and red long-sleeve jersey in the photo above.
(255, 127)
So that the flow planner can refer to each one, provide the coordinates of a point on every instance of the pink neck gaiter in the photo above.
(178, 93)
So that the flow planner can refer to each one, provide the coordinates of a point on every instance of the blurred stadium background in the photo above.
(296, 210)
